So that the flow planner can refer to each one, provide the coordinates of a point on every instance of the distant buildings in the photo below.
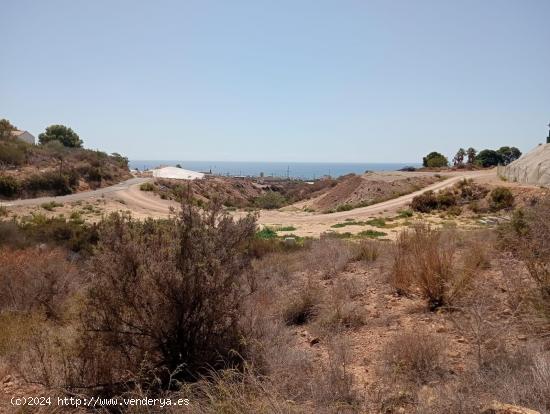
(24, 136)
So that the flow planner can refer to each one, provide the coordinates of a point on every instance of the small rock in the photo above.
(522, 337)
(454, 354)
(461, 340)
(440, 329)
(290, 241)
(314, 341)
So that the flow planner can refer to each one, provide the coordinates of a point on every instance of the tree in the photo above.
(6, 128)
(489, 158)
(509, 154)
(60, 133)
(459, 157)
(435, 160)
(471, 153)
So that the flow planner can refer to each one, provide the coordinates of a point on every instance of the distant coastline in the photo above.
(301, 170)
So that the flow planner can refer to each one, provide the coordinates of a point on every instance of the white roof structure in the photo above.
(177, 173)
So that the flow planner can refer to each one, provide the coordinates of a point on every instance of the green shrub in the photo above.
(377, 222)
(266, 233)
(147, 186)
(11, 153)
(372, 234)
(51, 181)
(270, 200)
(425, 202)
(51, 205)
(345, 207)
(500, 198)
(405, 214)
(9, 186)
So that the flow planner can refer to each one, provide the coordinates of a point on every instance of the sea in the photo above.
(296, 170)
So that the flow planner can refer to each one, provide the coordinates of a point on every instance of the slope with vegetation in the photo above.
(58, 166)
(201, 306)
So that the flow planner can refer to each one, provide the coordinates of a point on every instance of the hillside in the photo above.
(28, 171)
(362, 190)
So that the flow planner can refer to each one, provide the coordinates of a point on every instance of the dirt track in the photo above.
(128, 196)
(144, 204)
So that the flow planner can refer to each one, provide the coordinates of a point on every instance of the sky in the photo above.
(296, 80)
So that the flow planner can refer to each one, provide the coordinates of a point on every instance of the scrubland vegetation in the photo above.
(58, 166)
(213, 309)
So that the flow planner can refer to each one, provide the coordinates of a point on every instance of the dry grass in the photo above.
(424, 258)
(330, 256)
(416, 356)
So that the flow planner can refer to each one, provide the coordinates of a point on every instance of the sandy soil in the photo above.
(128, 197)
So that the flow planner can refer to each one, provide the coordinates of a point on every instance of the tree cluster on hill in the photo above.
(58, 165)
(485, 158)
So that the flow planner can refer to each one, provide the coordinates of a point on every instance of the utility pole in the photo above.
(548, 139)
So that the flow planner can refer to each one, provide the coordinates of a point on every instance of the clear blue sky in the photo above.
(365, 81)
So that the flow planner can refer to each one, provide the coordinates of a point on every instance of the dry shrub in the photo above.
(424, 258)
(329, 256)
(367, 250)
(165, 296)
(234, 392)
(333, 386)
(338, 311)
(527, 237)
(302, 306)
(36, 280)
(415, 355)
(520, 377)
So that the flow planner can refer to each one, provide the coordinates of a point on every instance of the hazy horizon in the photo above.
(246, 81)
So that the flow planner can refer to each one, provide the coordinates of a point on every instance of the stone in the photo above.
(290, 241)
(314, 341)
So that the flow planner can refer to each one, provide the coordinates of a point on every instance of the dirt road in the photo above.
(128, 196)
(125, 185)
(314, 224)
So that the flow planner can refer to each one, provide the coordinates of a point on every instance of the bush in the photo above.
(266, 233)
(425, 202)
(9, 186)
(51, 205)
(367, 251)
(36, 280)
(12, 153)
(301, 307)
(526, 237)
(344, 207)
(59, 184)
(424, 258)
(147, 186)
(270, 200)
(501, 198)
(416, 355)
(167, 295)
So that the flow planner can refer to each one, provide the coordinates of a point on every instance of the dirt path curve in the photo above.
(315, 224)
(125, 185)
(147, 204)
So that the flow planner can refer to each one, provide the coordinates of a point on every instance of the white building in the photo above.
(24, 136)
(177, 173)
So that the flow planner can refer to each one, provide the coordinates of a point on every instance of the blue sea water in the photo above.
(301, 170)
